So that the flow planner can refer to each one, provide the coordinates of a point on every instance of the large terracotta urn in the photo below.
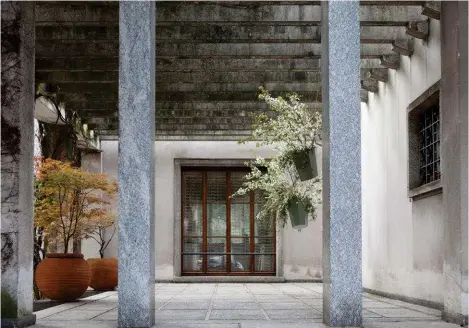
(103, 273)
(63, 277)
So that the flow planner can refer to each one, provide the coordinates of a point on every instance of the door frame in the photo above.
(222, 163)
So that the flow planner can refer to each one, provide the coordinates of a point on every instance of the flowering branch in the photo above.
(294, 129)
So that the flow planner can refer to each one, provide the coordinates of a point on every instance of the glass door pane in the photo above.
(240, 223)
(216, 258)
(240, 258)
(192, 261)
(216, 220)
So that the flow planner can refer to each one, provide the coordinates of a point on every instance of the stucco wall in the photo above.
(402, 239)
(300, 253)
(91, 162)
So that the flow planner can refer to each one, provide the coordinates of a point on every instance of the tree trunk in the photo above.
(76, 245)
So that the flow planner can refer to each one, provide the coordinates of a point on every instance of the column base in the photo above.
(25, 321)
(457, 318)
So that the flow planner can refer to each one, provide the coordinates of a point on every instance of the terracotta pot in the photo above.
(103, 273)
(63, 277)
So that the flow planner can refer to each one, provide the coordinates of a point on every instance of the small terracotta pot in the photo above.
(63, 277)
(103, 273)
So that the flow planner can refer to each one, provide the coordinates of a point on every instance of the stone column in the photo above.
(342, 242)
(454, 148)
(136, 199)
(18, 36)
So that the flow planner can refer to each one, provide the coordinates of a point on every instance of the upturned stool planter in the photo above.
(305, 164)
(63, 277)
(298, 214)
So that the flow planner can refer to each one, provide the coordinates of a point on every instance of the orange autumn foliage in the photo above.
(70, 201)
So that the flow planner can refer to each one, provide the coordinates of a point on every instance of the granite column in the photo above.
(136, 199)
(342, 256)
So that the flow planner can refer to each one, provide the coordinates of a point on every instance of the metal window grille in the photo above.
(429, 145)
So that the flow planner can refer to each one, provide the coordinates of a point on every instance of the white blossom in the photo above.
(294, 129)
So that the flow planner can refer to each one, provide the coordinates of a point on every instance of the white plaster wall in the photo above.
(300, 252)
(402, 240)
(91, 162)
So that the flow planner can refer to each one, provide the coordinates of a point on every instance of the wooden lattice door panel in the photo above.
(220, 234)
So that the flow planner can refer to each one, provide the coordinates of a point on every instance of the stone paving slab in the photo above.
(234, 305)
(240, 305)
(284, 306)
(186, 305)
(180, 315)
(197, 325)
(401, 313)
(73, 315)
(107, 316)
(237, 315)
(244, 324)
(293, 314)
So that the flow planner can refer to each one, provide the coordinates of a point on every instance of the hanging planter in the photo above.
(298, 214)
(305, 164)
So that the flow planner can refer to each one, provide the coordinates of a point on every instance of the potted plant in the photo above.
(295, 128)
(285, 196)
(67, 199)
(290, 180)
(103, 270)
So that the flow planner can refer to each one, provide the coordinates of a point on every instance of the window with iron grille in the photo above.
(429, 144)
(423, 118)
(220, 234)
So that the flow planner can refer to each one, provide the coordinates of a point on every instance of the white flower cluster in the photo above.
(294, 129)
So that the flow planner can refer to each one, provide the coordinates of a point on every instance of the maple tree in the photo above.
(70, 202)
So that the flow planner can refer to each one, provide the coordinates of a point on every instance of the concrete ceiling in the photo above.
(212, 57)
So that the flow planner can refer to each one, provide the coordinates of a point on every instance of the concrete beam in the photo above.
(432, 9)
(108, 88)
(221, 64)
(188, 77)
(211, 135)
(238, 87)
(79, 81)
(233, 106)
(418, 30)
(103, 89)
(381, 34)
(391, 62)
(390, 13)
(364, 96)
(62, 66)
(403, 47)
(370, 85)
(378, 74)
(187, 96)
(185, 32)
(51, 48)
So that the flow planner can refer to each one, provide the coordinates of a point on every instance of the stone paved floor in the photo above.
(237, 305)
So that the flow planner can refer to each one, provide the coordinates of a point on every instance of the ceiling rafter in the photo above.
(214, 53)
